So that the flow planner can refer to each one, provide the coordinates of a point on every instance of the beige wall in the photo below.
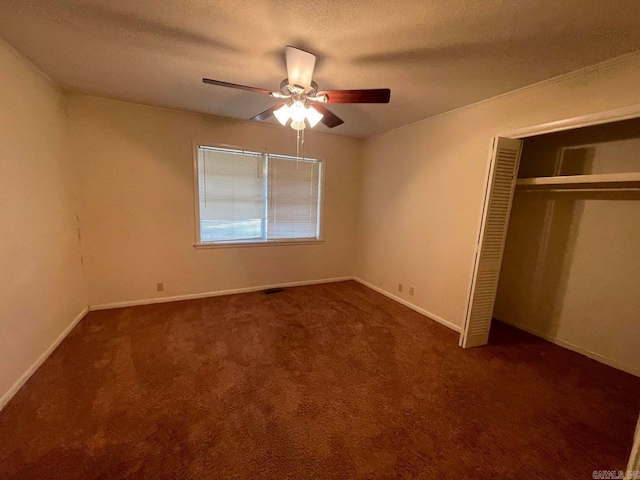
(135, 173)
(41, 275)
(422, 185)
(571, 266)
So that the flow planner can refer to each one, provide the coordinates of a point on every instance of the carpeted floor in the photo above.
(327, 381)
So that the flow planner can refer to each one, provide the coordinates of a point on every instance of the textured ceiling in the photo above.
(435, 55)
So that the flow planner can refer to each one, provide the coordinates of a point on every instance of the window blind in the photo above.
(292, 198)
(253, 197)
(231, 195)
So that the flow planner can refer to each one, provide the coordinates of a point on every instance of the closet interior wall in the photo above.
(571, 265)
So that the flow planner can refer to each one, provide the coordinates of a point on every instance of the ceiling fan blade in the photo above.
(377, 95)
(267, 113)
(300, 66)
(235, 85)
(329, 118)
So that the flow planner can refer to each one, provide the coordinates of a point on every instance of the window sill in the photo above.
(204, 246)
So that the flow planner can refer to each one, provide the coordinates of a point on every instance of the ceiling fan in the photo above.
(303, 101)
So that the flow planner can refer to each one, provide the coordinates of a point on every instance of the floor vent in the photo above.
(269, 291)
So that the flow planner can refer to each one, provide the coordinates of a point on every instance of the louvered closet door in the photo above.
(505, 157)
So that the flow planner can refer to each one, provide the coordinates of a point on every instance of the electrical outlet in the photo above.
(160, 287)
(411, 290)
(399, 287)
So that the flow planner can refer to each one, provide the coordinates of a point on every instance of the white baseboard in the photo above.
(192, 296)
(413, 307)
(575, 348)
(8, 395)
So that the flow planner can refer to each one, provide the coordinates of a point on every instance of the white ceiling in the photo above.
(435, 55)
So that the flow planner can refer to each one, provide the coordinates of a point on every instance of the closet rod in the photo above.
(591, 179)
(626, 189)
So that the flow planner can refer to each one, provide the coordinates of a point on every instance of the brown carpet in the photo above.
(327, 381)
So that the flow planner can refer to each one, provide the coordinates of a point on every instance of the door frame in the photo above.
(590, 119)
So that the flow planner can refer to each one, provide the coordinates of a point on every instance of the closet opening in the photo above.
(567, 239)
(571, 263)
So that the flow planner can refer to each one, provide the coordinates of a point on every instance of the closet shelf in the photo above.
(608, 181)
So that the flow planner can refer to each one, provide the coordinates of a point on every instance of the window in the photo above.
(247, 197)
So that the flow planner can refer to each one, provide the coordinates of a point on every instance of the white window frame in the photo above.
(252, 243)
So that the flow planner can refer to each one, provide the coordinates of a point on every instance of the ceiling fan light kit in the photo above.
(304, 103)
(297, 112)
(313, 116)
(282, 114)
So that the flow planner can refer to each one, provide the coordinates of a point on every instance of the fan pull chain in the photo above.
(301, 145)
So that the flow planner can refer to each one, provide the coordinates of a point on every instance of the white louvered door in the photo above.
(505, 157)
